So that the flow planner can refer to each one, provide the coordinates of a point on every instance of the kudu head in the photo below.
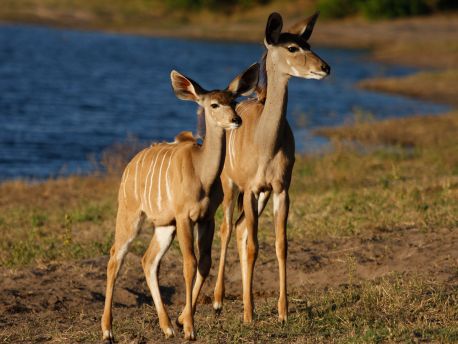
(290, 51)
(218, 105)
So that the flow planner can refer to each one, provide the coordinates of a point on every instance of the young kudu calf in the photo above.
(260, 156)
(172, 185)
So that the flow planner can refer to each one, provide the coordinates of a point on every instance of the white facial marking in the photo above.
(167, 186)
(163, 237)
(159, 192)
(295, 71)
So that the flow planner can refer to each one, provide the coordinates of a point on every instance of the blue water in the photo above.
(67, 95)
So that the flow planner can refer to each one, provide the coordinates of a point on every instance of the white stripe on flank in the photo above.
(151, 173)
(167, 186)
(126, 175)
(136, 173)
(144, 199)
(230, 148)
(159, 192)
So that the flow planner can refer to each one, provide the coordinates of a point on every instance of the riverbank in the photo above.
(372, 250)
(426, 42)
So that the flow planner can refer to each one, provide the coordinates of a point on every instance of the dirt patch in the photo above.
(53, 303)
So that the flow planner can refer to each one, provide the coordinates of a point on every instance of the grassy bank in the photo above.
(372, 239)
(404, 171)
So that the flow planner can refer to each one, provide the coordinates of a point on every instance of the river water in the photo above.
(67, 95)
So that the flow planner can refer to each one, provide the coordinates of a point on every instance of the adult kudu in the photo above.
(260, 156)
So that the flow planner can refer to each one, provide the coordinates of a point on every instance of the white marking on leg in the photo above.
(276, 203)
(229, 214)
(163, 237)
(167, 186)
(159, 191)
(261, 199)
(107, 334)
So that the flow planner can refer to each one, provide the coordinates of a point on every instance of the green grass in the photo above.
(347, 193)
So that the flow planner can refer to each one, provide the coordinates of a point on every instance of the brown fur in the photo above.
(174, 186)
(260, 159)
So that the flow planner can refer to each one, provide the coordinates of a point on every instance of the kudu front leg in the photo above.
(281, 209)
(230, 198)
(247, 243)
(185, 238)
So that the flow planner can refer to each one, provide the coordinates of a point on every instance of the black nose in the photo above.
(237, 120)
(325, 68)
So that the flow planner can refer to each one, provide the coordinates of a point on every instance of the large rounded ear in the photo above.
(245, 83)
(273, 28)
(185, 88)
(304, 27)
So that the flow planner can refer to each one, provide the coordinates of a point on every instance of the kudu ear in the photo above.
(273, 28)
(304, 27)
(245, 83)
(185, 88)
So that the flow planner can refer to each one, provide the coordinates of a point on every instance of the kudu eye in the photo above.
(293, 49)
(214, 105)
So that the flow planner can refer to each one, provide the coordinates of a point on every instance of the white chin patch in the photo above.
(317, 76)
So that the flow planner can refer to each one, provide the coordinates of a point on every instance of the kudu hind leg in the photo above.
(127, 228)
(160, 243)
(230, 198)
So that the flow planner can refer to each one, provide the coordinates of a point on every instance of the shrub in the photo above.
(337, 9)
(374, 9)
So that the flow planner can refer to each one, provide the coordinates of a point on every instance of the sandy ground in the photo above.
(36, 302)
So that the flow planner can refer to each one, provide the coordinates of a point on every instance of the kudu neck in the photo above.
(209, 159)
(273, 118)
